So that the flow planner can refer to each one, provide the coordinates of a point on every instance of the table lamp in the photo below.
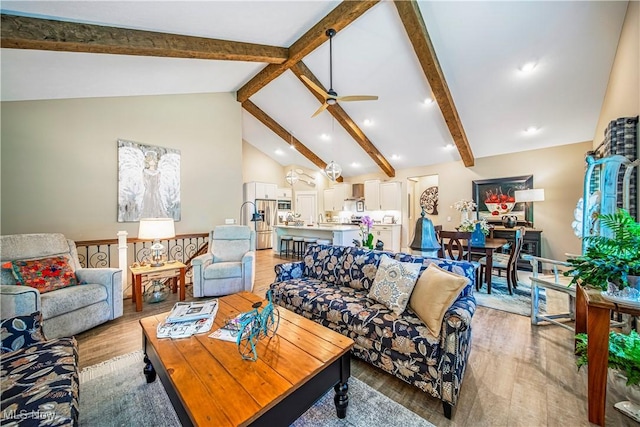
(530, 195)
(156, 229)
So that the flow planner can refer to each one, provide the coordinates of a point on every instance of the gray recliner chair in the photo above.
(67, 311)
(229, 266)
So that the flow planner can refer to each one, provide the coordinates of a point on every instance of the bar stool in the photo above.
(288, 249)
(324, 242)
(298, 246)
(308, 241)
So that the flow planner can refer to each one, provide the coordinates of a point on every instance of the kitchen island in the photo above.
(338, 234)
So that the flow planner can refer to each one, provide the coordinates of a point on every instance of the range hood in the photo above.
(357, 192)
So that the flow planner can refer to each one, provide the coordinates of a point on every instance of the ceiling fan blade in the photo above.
(320, 110)
(314, 86)
(357, 98)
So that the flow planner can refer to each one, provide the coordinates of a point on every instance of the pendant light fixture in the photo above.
(333, 171)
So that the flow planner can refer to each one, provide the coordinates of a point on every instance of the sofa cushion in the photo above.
(42, 379)
(224, 270)
(72, 298)
(21, 331)
(45, 274)
(434, 293)
(393, 283)
(323, 261)
(359, 267)
(463, 268)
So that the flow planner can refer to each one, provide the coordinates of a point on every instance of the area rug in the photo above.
(499, 299)
(115, 393)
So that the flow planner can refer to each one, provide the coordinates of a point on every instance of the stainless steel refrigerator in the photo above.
(264, 229)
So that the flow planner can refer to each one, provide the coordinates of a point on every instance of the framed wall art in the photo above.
(496, 198)
(148, 182)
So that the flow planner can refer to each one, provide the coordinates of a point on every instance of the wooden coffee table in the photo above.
(209, 383)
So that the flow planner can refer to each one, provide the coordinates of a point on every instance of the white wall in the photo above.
(623, 91)
(257, 166)
(60, 162)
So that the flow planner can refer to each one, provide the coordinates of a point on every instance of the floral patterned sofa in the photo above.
(39, 377)
(331, 286)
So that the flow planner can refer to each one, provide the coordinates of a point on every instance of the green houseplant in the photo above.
(624, 354)
(609, 259)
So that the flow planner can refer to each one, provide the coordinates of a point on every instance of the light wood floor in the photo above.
(517, 375)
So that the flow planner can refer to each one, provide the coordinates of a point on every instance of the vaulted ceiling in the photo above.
(466, 56)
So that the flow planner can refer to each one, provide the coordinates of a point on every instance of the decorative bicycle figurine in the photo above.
(257, 324)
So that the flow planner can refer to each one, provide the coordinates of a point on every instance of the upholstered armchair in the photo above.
(87, 298)
(229, 266)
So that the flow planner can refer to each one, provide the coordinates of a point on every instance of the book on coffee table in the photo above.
(190, 311)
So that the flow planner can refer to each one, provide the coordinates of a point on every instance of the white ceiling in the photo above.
(480, 46)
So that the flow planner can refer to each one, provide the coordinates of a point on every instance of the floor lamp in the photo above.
(255, 216)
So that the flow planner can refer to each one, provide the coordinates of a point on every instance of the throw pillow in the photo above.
(393, 283)
(46, 274)
(433, 294)
(22, 331)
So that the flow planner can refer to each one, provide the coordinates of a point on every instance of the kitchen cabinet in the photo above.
(389, 235)
(284, 193)
(390, 196)
(372, 195)
(260, 190)
(382, 196)
(334, 198)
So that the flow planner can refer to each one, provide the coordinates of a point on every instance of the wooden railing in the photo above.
(123, 251)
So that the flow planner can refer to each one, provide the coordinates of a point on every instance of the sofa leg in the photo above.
(448, 410)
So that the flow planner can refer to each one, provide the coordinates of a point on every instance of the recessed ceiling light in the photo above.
(367, 122)
(355, 164)
(279, 152)
(325, 136)
(394, 157)
(428, 101)
(293, 147)
(528, 67)
(449, 147)
(531, 130)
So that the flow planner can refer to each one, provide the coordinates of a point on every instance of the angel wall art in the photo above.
(148, 182)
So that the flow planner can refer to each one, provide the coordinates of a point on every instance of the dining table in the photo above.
(488, 248)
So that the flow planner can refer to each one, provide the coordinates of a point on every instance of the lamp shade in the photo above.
(532, 195)
(156, 228)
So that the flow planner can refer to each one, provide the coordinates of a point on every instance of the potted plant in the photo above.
(624, 364)
(610, 260)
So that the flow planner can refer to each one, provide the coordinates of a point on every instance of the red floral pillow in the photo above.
(46, 274)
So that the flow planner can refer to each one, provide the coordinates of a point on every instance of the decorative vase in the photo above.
(156, 292)
(464, 216)
(477, 236)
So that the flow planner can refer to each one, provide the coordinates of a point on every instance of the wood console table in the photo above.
(592, 316)
(173, 270)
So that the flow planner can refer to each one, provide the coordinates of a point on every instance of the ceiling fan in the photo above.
(331, 96)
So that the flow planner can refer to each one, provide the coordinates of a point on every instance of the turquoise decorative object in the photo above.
(477, 236)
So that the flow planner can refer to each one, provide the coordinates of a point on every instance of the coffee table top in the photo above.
(219, 388)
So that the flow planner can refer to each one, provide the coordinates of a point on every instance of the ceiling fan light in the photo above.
(333, 171)
(331, 101)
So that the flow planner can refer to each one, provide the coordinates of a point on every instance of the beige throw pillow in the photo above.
(393, 283)
(434, 293)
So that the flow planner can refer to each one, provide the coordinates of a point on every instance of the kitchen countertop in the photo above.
(337, 227)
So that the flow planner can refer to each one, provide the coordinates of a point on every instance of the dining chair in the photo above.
(505, 261)
(456, 245)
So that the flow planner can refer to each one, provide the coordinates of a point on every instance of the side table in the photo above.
(173, 270)
(592, 316)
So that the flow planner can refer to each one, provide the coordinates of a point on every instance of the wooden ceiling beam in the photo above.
(266, 120)
(19, 32)
(417, 31)
(300, 69)
(341, 16)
